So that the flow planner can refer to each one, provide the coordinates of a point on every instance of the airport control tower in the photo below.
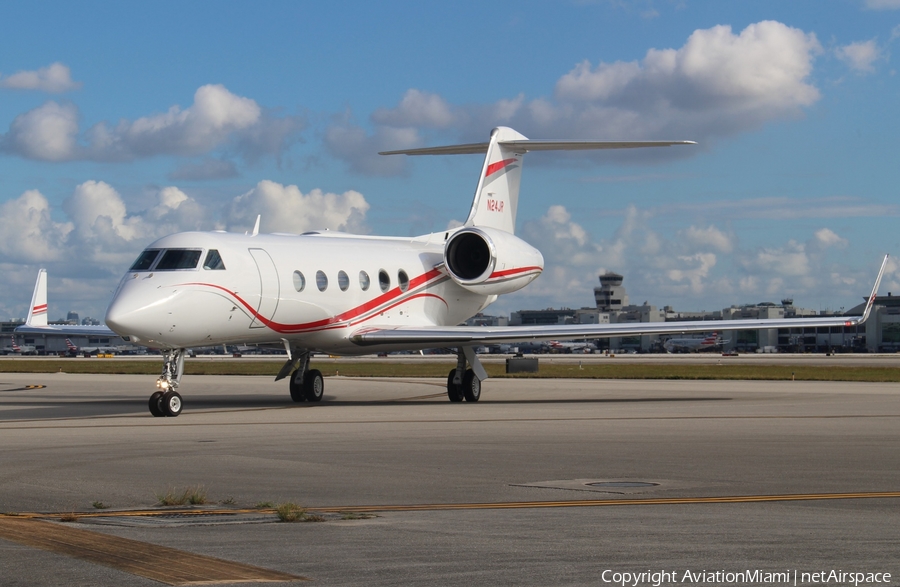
(610, 296)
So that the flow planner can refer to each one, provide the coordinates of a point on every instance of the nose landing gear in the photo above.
(166, 401)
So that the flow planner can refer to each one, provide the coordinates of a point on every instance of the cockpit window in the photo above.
(178, 259)
(214, 260)
(145, 260)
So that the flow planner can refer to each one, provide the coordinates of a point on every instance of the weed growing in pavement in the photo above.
(291, 512)
(192, 495)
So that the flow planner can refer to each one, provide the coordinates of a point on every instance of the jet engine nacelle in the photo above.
(489, 261)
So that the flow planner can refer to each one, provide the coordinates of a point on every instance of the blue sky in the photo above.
(122, 123)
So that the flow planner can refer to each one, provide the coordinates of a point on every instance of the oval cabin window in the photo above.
(299, 281)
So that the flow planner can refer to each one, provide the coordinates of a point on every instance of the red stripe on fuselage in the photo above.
(498, 165)
(336, 321)
(508, 272)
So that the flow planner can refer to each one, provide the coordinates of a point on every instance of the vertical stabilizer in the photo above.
(497, 195)
(37, 312)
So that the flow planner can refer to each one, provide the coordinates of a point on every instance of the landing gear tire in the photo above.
(454, 392)
(297, 393)
(313, 385)
(156, 404)
(471, 386)
(171, 403)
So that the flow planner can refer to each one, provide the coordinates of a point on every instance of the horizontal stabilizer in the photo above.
(530, 145)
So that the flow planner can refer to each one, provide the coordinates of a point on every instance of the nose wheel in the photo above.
(168, 402)
(165, 404)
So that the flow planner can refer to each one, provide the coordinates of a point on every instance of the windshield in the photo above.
(145, 260)
(214, 261)
(178, 259)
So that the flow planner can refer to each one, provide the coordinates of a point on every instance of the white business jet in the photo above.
(348, 294)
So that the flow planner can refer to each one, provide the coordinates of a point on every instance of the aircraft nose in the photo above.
(129, 314)
(120, 317)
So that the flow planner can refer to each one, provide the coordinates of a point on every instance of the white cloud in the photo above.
(825, 237)
(47, 133)
(710, 236)
(697, 270)
(351, 143)
(860, 56)
(106, 233)
(716, 85)
(717, 79)
(214, 115)
(790, 260)
(55, 78)
(28, 234)
(565, 242)
(691, 269)
(417, 108)
(795, 266)
(287, 209)
(217, 120)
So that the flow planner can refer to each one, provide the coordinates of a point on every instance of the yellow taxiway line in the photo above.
(480, 506)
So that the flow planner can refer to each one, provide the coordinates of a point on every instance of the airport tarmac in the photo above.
(541, 482)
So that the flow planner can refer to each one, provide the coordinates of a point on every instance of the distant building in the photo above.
(537, 317)
(485, 320)
(610, 296)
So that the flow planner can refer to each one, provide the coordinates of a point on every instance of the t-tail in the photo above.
(497, 195)
(37, 312)
(496, 198)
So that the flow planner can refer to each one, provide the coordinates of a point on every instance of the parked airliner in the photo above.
(688, 345)
(350, 294)
(25, 349)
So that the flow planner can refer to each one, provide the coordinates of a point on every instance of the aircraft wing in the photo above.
(476, 335)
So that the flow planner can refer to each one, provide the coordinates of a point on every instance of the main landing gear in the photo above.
(465, 383)
(166, 401)
(305, 384)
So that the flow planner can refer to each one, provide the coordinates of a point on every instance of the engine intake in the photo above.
(469, 257)
(490, 261)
